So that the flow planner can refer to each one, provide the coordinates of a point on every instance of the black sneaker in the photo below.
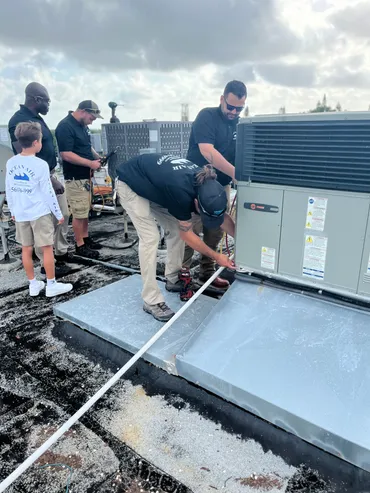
(174, 287)
(60, 270)
(66, 257)
(85, 251)
(92, 244)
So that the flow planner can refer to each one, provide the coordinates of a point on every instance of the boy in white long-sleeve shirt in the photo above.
(32, 200)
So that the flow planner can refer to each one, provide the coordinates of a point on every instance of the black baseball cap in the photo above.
(90, 107)
(212, 200)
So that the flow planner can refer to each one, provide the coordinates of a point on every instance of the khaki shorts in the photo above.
(79, 199)
(39, 233)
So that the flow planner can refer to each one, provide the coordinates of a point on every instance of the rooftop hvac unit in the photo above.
(303, 202)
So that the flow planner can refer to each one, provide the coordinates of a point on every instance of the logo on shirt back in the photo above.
(177, 162)
(167, 157)
(22, 177)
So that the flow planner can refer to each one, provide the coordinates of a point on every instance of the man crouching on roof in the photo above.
(169, 189)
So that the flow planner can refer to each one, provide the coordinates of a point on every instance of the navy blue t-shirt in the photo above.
(212, 127)
(72, 136)
(47, 152)
(166, 180)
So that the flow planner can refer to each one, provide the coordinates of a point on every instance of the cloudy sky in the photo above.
(153, 55)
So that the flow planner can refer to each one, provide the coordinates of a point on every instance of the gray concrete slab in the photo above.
(297, 362)
(115, 314)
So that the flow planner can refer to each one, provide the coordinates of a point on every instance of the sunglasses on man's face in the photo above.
(231, 107)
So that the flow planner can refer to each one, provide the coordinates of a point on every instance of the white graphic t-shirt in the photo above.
(29, 192)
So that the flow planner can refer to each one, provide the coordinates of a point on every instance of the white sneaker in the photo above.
(36, 288)
(58, 288)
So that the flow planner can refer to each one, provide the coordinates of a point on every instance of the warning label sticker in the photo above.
(316, 213)
(268, 258)
(314, 256)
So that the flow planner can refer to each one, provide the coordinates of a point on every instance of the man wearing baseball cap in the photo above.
(170, 189)
(90, 107)
(80, 160)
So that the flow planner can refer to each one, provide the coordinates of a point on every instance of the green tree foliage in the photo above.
(323, 107)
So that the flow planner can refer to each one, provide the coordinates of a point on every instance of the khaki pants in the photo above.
(79, 198)
(143, 214)
(38, 233)
(211, 238)
(60, 230)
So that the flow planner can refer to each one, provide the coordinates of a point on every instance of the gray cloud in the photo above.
(290, 75)
(346, 72)
(321, 5)
(353, 20)
(17, 66)
(344, 77)
(241, 71)
(354, 61)
(154, 34)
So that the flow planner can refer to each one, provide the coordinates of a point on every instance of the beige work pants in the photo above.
(143, 214)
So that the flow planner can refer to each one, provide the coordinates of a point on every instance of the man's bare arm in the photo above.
(95, 154)
(217, 160)
(190, 238)
(185, 226)
(228, 225)
(73, 158)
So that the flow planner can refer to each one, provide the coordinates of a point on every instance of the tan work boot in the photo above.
(160, 311)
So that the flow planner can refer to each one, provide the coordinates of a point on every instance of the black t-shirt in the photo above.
(211, 127)
(166, 180)
(47, 152)
(74, 137)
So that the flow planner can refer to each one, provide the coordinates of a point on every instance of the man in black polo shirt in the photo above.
(169, 189)
(37, 102)
(213, 140)
(80, 160)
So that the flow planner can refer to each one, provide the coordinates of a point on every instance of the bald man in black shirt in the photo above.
(37, 103)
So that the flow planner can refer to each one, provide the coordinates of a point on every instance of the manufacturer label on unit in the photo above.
(316, 213)
(314, 256)
(268, 258)
(4, 136)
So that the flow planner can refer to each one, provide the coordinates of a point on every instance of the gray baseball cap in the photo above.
(90, 107)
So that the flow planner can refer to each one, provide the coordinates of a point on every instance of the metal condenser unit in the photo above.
(303, 201)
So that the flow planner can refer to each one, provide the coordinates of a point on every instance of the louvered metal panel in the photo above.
(312, 151)
(136, 138)
(304, 200)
